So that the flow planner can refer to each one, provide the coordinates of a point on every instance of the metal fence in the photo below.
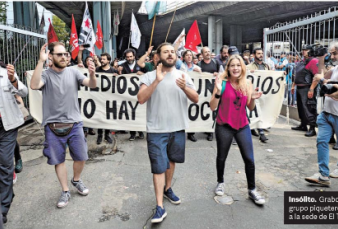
(319, 28)
(16, 40)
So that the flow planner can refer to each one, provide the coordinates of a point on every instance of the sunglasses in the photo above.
(66, 54)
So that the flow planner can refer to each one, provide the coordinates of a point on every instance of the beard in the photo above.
(168, 65)
(130, 61)
(104, 64)
(224, 57)
(60, 64)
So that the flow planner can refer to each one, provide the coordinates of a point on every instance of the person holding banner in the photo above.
(166, 92)
(10, 119)
(131, 66)
(232, 94)
(105, 68)
(258, 64)
(208, 65)
(61, 115)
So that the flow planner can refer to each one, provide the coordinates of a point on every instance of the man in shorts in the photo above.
(166, 92)
(61, 115)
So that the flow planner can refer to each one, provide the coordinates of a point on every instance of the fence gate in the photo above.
(18, 39)
(318, 28)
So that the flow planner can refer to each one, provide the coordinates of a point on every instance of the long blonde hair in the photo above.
(242, 82)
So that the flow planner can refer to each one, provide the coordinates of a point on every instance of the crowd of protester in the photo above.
(228, 68)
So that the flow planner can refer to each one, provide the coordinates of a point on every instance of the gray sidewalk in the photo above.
(122, 193)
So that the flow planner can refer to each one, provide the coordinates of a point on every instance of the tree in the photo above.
(3, 16)
(61, 30)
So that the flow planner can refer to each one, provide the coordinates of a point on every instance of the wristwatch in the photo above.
(14, 80)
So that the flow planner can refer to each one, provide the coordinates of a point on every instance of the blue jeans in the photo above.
(327, 123)
(224, 135)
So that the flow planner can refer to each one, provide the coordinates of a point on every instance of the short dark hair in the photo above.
(256, 49)
(223, 47)
(107, 55)
(129, 51)
(51, 46)
(159, 48)
(85, 62)
(186, 52)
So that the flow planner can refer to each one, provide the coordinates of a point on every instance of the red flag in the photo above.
(74, 42)
(193, 38)
(52, 37)
(99, 36)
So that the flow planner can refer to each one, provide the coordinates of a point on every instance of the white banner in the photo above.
(113, 104)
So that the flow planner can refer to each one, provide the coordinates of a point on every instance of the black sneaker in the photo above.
(4, 219)
(108, 139)
(300, 128)
(140, 135)
(254, 133)
(192, 137)
(210, 136)
(132, 137)
(99, 139)
(18, 166)
(263, 138)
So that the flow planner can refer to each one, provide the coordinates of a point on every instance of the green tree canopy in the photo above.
(61, 30)
(3, 15)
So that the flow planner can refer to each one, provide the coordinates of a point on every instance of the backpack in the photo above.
(224, 84)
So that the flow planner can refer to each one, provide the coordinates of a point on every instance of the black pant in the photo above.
(133, 133)
(7, 146)
(17, 155)
(224, 136)
(307, 108)
(100, 132)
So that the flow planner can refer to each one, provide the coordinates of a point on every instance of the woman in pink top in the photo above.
(232, 122)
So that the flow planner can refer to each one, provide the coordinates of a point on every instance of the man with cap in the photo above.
(306, 92)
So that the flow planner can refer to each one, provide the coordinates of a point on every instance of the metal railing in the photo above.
(318, 28)
(16, 40)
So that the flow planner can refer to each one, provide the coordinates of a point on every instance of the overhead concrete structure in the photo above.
(241, 22)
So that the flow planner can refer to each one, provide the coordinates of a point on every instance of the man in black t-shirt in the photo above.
(207, 65)
(106, 68)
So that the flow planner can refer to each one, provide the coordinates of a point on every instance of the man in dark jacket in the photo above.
(130, 66)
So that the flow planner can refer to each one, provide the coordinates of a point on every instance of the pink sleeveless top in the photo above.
(232, 110)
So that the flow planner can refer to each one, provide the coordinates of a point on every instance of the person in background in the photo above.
(10, 119)
(88, 60)
(131, 66)
(222, 58)
(208, 65)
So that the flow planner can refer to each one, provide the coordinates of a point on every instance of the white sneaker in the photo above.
(219, 191)
(256, 197)
(334, 174)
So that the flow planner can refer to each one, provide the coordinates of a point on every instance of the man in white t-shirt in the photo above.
(166, 91)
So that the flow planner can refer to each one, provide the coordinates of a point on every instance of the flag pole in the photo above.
(172, 19)
(199, 34)
(152, 31)
(130, 26)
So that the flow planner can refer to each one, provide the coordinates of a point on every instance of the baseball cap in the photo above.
(233, 50)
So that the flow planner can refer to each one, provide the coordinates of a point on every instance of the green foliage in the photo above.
(61, 30)
(3, 15)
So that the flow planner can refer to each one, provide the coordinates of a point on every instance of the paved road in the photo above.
(121, 189)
